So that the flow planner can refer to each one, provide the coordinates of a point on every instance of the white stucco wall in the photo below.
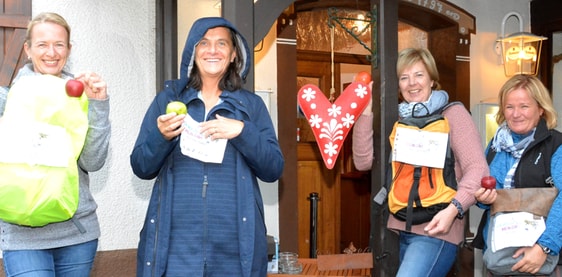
(486, 71)
(116, 39)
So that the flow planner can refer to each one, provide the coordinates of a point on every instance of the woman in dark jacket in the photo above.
(207, 218)
(525, 153)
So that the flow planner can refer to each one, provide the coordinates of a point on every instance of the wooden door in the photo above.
(314, 177)
(449, 39)
(342, 210)
(13, 24)
(312, 174)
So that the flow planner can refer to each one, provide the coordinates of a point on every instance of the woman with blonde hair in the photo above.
(429, 248)
(67, 248)
(525, 152)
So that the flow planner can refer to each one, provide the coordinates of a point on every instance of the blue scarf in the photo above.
(437, 99)
(503, 141)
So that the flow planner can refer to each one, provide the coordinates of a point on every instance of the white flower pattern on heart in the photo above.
(331, 122)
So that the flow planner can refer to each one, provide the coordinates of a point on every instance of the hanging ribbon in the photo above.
(332, 89)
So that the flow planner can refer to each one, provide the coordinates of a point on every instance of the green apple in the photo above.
(176, 107)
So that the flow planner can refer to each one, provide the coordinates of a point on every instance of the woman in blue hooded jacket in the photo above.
(207, 218)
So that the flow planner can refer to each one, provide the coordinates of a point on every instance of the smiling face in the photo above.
(48, 48)
(415, 83)
(522, 113)
(214, 52)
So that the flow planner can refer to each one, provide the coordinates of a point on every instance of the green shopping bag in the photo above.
(42, 134)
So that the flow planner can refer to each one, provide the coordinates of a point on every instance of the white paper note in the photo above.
(422, 148)
(193, 144)
(515, 229)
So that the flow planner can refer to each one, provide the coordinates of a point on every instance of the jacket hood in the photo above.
(197, 32)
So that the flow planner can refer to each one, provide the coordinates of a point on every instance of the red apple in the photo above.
(488, 182)
(363, 77)
(74, 88)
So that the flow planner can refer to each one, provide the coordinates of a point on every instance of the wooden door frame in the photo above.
(384, 111)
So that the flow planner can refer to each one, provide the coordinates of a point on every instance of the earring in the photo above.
(28, 57)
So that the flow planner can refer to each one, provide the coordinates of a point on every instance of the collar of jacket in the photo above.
(238, 98)
(541, 133)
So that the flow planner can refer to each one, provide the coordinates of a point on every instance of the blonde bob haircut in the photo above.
(536, 90)
(409, 56)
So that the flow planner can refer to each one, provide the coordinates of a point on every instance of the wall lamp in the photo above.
(520, 51)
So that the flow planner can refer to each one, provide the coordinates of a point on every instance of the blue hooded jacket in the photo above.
(257, 155)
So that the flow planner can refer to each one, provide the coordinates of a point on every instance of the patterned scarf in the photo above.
(437, 99)
(503, 141)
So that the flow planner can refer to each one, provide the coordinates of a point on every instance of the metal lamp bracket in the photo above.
(498, 46)
(371, 22)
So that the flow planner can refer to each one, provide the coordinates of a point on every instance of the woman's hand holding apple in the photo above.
(170, 125)
(487, 193)
(94, 86)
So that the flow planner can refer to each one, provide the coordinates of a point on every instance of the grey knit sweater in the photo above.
(84, 226)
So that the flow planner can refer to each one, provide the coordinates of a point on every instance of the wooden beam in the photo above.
(287, 126)
(166, 42)
(266, 13)
(14, 21)
(385, 112)
(241, 14)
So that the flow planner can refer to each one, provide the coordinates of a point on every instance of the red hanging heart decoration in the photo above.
(331, 122)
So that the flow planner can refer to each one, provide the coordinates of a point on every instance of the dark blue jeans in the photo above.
(69, 261)
(425, 256)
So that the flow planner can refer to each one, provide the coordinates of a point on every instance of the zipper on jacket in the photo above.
(205, 217)
(205, 184)
(205, 181)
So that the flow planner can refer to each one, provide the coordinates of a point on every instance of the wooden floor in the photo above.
(310, 269)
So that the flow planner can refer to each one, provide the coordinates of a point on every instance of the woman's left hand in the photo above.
(441, 223)
(222, 128)
(532, 261)
(94, 86)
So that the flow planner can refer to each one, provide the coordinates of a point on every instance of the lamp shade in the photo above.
(521, 53)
